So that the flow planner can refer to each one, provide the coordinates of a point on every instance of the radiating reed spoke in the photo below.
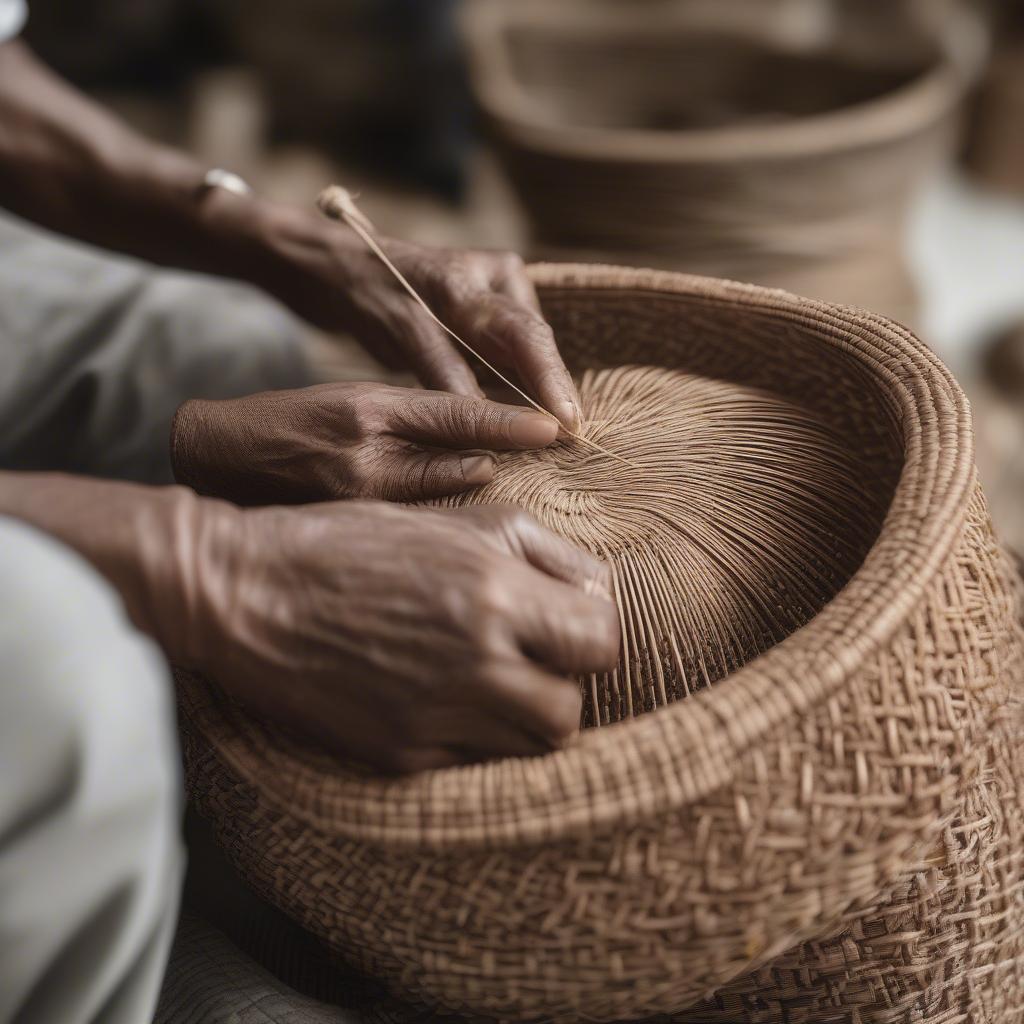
(737, 516)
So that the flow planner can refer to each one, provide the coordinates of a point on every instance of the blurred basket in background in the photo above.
(995, 152)
(777, 145)
(995, 141)
(833, 831)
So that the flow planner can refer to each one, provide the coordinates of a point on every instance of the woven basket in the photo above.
(722, 139)
(835, 832)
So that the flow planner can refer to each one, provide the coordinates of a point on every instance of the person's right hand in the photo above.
(407, 638)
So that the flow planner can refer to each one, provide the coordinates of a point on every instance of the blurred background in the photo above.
(862, 151)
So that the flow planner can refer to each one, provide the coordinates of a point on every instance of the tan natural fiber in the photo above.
(721, 138)
(834, 831)
(744, 515)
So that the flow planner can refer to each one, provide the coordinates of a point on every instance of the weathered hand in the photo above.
(408, 638)
(328, 276)
(487, 299)
(346, 441)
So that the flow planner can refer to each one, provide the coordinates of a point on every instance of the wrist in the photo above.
(216, 447)
(203, 536)
(305, 262)
(175, 565)
(189, 446)
(151, 544)
(191, 223)
(235, 234)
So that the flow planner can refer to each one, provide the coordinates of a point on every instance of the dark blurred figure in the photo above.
(150, 45)
(377, 81)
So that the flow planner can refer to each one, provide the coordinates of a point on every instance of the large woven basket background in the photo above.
(766, 145)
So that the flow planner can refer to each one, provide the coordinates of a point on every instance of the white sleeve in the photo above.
(12, 18)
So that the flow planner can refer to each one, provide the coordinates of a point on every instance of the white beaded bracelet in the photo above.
(217, 177)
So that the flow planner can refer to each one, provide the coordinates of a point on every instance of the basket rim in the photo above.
(908, 110)
(631, 771)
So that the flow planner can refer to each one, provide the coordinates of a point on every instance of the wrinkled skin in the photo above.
(485, 297)
(346, 441)
(409, 638)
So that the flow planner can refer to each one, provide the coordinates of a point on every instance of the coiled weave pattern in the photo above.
(834, 832)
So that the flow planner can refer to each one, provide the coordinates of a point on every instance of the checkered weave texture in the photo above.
(833, 832)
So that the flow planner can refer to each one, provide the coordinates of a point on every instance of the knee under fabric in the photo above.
(90, 801)
(98, 352)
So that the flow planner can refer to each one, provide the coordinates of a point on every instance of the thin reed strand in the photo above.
(337, 203)
(742, 518)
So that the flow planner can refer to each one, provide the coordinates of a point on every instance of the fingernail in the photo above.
(532, 430)
(568, 413)
(478, 469)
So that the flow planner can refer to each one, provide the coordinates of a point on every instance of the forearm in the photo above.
(146, 541)
(71, 166)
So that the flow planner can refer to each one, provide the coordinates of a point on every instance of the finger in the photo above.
(454, 421)
(481, 733)
(415, 760)
(538, 702)
(509, 276)
(433, 356)
(519, 534)
(413, 475)
(529, 345)
(566, 629)
(362, 736)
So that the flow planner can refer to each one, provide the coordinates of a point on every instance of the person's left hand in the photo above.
(335, 282)
(349, 440)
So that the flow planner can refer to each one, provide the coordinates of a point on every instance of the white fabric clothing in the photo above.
(12, 18)
(90, 795)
